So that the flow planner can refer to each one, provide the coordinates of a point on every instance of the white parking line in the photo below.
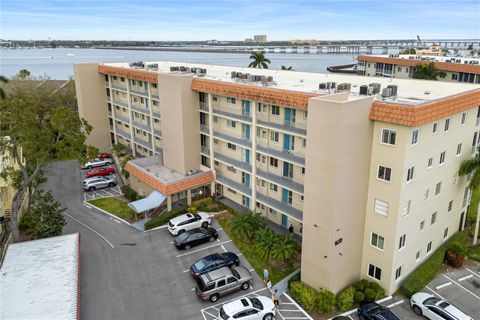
(473, 272)
(465, 278)
(251, 270)
(86, 205)
(91, 229)
(458, 284)
(247, 294)
(395, 304)
(224, 250)
(108, 193)
(84, 196)
(443, 285)
(219, 229)
(192, 289)
(190, 252)
(185, 271)
(435, 293)
(209, 315)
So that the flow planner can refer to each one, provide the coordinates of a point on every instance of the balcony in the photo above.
(237, 140)
(233, 184)
(117, 86)
(203, 106)
(122, 118)
(281, 181)
(287, 155)
(142, 142)
(120, 103)
(233, 113)
(110, 113)
(111, 128)
(280, 206)
(136, 90)
(204, 129)
(205, 151)
(156, 114)
(158, 149)
(284, 125)
(247, 167)
(154, 95)
(157, 132)
(144, 126)
(140, 108)
(124, 134)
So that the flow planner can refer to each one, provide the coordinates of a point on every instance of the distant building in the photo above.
(213, 41)
(402, 67)
(260, 38)
(249, 40)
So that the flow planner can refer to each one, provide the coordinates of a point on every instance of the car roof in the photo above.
(181, 218)
(454, 311)
(213, 257)
(217, 274)
(233, 307)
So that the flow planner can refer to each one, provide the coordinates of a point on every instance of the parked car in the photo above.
(220, 282)
(191, 238)
(189, 221)
(374, 311)
(104, 156)
(248, 308)
(213, 262)
(97, 163)
(99, 172)
(431, 307)
(95, 183)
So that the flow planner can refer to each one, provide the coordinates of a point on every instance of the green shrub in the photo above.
(379, 291)
(192, 209)
(304, 294)
(165, 217)
(325, 301)
(129, 193)
(345, 299)
(458, 248)
(203, 204)
(295, 278)
(361, 285)
(359, 296)
(370, 294)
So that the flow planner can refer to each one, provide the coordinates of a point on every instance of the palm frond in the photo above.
(469, 166)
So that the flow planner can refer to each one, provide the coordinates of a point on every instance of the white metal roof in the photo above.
(39, 279)
(154, 200)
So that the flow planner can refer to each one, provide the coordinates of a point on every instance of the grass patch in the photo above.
(276, 273)
(114, 206)
(474, 253)
(472, 210)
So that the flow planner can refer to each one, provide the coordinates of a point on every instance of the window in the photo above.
(301, 198)
(231, 146)
(156, 120)
(445, 233)
(259, 107)
(215, 140)
(442, 158)
(433, 219)
(276, 110)
(214, 98)
(232, 191)
(381, 207)
(401, 243)
(273, 187)
(215, 119)
(389, 136)
(454, 178)
(450, 205)
(435, 127)
(429, 247)
(430, 163)
(384, 173)
(415, 136)
(410, 174)
(231, 100)
(374, 272)
(459, 149)
(399, 69)
(422, 225)
(274, 162)
(231, 124)
(425, 194)
(438, 188)
(417, 256)
(274, 136)
(398, 273)
(303, 170)
(304, 142)
(406, 208)
(447, 124)
(305, 115)
(464, 118)
(231, 169)
(377, 241)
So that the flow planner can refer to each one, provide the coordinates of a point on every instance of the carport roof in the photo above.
(154, 200)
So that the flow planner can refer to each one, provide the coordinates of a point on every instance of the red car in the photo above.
(104, 155)
(100, 172)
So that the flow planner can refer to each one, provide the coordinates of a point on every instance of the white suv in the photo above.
(255, 308)
(95, 183)
(434, 308)
(189, 221)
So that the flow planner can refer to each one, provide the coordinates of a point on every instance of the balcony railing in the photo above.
(158, 149)
(281, 181)
(157, 132)
(233, 184)
(120, 103)
(287, 155)
(285, 125)
(111, 128)
(122, 118)
(156, 114)
(109, 113)
(142, 142)
(280, 206)
(234, 113)
(204, 129)
(205, 150)
(140, 108)
(155, 96)
(237, 140)
(235, 163)
(203, 106)
(119, 87)
(124, 134)
(139, 91)
(144, 126)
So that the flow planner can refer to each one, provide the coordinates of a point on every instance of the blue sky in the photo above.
(238, 19)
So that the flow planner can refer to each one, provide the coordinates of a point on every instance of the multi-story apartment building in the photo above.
(369, 181)
(402, 67)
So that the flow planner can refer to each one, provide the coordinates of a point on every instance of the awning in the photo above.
(154, 200)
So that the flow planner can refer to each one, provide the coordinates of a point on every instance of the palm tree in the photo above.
(23, 74)
(284, 248)
(244, 225)
(472, 166)
(287, 68)
(2, 92)
(427, 71)
(265, 240)
(259, 60)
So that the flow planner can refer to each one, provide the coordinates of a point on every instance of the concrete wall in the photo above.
(92, 103)
(180, 122)
(336, 184)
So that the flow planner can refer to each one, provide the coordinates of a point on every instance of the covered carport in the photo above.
(147, 206)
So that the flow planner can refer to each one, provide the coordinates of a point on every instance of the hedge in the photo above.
(165, 217)
(129, 193)
(321, 301)
(425, 273)
(345, 299)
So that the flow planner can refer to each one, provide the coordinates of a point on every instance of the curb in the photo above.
(108, 213)
(157, 228)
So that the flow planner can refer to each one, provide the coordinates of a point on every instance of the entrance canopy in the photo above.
(153, 201)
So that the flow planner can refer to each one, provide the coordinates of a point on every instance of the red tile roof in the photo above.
(143, 75)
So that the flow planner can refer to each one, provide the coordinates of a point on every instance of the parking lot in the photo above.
(102, 193)
(459, 287)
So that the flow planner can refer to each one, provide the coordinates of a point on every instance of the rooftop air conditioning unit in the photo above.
(386, 92)
(233, 74)
(394, 89)
(376, 87)
(344, 87)
(363, 90)
(322, 86)
(191, 172)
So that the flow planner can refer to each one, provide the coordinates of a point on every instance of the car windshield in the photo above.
(431, 301)
(223, 315)
(236, 274)
(256, 303)
(183, 236)
(377, 310)
(200, 264)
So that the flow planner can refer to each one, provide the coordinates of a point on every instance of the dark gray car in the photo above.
(220, 282)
